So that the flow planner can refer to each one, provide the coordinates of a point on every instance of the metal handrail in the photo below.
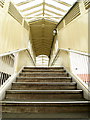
(16, 51)
(69, 50)
(30, 56)
(75, 51)
(11, 52)
(55, 56)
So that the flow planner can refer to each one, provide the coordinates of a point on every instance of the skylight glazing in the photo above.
(52, 10)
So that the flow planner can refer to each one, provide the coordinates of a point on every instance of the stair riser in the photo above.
(43, 71)
(43, 68)
(43, 80)
(45, 109)
(42, 87)
(36, 96)
(43, 75)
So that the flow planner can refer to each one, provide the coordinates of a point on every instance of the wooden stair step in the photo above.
(44, 107)
(46, 74)
(39, 70)
(44, 79)
(43, 68)
(44, 85)
(43, 94)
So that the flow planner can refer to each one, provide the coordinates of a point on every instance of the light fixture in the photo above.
(54, 32)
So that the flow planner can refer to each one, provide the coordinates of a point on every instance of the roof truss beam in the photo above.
(62, 2)
(53, 12)
(51, 20)
(24, 2)
(53, 17)
(33, 12)
(43, 6)
(37, 16)
(57, 8)
(38, 5)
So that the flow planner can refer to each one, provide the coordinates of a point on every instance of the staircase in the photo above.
(44, 93)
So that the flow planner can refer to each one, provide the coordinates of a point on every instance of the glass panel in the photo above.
(51, 13)
(52, 9)
(34, 3)
(35, 14)
(70, 1)
(33, 19)
(58, 5)
(18, 1)
(32, 10)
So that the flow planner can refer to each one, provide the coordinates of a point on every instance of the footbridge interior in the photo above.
(44, 34)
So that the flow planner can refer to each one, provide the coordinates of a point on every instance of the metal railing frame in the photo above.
(4, 76)
(68, 50)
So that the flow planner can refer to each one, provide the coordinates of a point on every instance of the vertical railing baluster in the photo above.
(3, 77)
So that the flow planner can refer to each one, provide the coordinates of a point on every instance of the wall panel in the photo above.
(12, 34)
(75, 34)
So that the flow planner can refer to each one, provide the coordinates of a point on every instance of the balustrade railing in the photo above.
(3, 77)
(7, 61)
(79, 64)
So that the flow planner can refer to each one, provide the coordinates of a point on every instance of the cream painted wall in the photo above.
(23, 59)
(75, 34)
(12, 34)
(64, 59)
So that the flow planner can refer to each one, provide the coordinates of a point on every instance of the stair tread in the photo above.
(47, 83)
(44, 91)
(42, 73)
(45, 102)
(53, 70)
(44, 77)
(43, 67)
(45, 95)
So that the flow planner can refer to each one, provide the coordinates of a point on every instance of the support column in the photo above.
(16, 62)
(82, 7)
(6, 5)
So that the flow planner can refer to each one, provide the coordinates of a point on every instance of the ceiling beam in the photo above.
(46, 25)
(36, 20)
(43, 6)
(57, 8)
(42, 47)
(39, 14)
(36, 16)
(42, 38)
(42, 17)
(38, 5)
(42, 53)
(33, 21)
(42, 42)
(53, 17)
(53, 12)
(36, 43)
(48, 14)
(24, 2)
(49, 19)
(33, 12)
(62, 2)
